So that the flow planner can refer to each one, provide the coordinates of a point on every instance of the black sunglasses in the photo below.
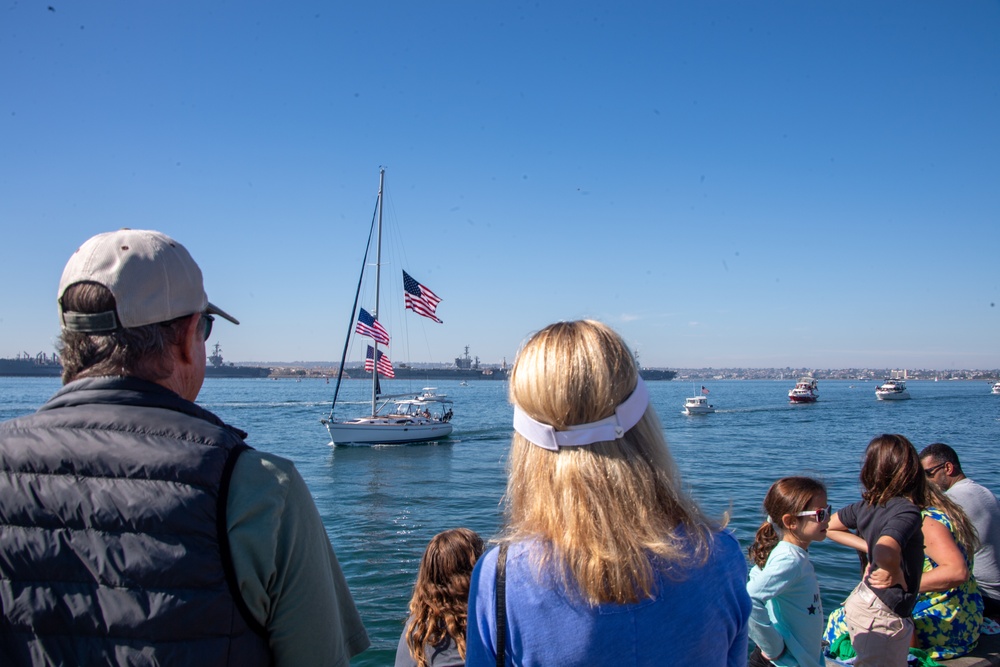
(930, 471)
(206, 322)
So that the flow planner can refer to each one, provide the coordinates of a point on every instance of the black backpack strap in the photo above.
(501, 600)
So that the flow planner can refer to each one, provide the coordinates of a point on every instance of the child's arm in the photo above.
(841, 534)
(888, 556)
(847, 538)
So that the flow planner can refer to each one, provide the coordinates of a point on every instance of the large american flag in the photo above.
(369, 326)
(384, 365)
(419, 299)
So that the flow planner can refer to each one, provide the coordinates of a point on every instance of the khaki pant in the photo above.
(878, 635)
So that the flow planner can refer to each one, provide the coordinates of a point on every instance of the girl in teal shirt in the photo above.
(787, 619)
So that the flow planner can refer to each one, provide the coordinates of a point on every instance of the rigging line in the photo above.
(399, 260)
(354, 310)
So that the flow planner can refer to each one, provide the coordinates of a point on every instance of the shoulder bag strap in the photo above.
(501, 600)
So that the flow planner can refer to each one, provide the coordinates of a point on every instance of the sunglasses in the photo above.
(822, 514)
(206, 322)
(930, 471)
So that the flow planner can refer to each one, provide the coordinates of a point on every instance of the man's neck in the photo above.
(955, 480)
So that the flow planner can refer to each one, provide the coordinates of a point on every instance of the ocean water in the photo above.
(381, 505)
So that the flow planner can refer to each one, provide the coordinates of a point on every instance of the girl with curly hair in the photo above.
(435, 631)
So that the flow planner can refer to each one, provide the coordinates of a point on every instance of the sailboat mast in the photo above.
(378, 282)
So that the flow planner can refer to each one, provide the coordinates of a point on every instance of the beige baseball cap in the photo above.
(152, 277)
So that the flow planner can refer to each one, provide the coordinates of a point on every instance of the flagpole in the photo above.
(378, 280)
(354, 309)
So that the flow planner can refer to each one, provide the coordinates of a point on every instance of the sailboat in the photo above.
(393, 419)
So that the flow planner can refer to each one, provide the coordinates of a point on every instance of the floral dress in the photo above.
(947, 623)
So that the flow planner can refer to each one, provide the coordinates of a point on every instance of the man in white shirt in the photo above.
(941, 465)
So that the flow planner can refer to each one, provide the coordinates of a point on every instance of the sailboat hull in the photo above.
(386, 431)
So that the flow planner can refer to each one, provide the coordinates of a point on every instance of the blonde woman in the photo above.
(606, 561)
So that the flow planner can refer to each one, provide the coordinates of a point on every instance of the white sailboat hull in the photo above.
(386, 431)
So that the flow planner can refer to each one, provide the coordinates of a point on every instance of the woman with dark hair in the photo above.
(948, 614)
(887, 518)
(435, 631)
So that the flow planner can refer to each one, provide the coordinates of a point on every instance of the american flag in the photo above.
(704, 391)
(369, 326)
(419, 299)
(384, 365)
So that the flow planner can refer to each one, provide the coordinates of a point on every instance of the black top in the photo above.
(899, 519)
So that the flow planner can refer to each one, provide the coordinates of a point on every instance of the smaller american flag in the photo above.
(369, 326)
(384, 365)
(419, 299)
(704, 390)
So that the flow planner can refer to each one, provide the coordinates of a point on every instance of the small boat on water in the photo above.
(804, 391)
(393, 419)
(698, 405)
(892, 390)
(996, 388)
(399, 419)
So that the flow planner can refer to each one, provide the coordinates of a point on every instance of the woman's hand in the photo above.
(878, 578)
(887, 557)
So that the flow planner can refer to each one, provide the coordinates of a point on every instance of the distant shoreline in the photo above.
(28, 367)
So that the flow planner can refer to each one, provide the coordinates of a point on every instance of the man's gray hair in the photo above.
(138, 352)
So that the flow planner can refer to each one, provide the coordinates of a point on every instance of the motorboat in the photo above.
(804, 391)
(697, 405)
(996, 388)
(400, 418)
(892, 390)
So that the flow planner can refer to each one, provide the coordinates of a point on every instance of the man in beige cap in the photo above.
(136, 527)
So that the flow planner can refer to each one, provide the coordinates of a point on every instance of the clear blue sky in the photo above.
(761, 184)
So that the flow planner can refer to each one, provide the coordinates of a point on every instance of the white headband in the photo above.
(626, 416)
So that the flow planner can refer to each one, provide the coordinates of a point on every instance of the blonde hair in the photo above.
(964, 531)
(606, 515)
(439, 606)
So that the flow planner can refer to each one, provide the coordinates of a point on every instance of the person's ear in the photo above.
(190, 337)
(789, 521)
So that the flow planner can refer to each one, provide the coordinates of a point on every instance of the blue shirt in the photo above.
(787, 612)
(700, 620)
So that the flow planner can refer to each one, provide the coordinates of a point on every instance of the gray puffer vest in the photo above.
(113, 543)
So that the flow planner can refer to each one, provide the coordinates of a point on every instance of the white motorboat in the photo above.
(697, 405)
(996, 388)
(401, 418)
(804, 391)
(892, 390)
